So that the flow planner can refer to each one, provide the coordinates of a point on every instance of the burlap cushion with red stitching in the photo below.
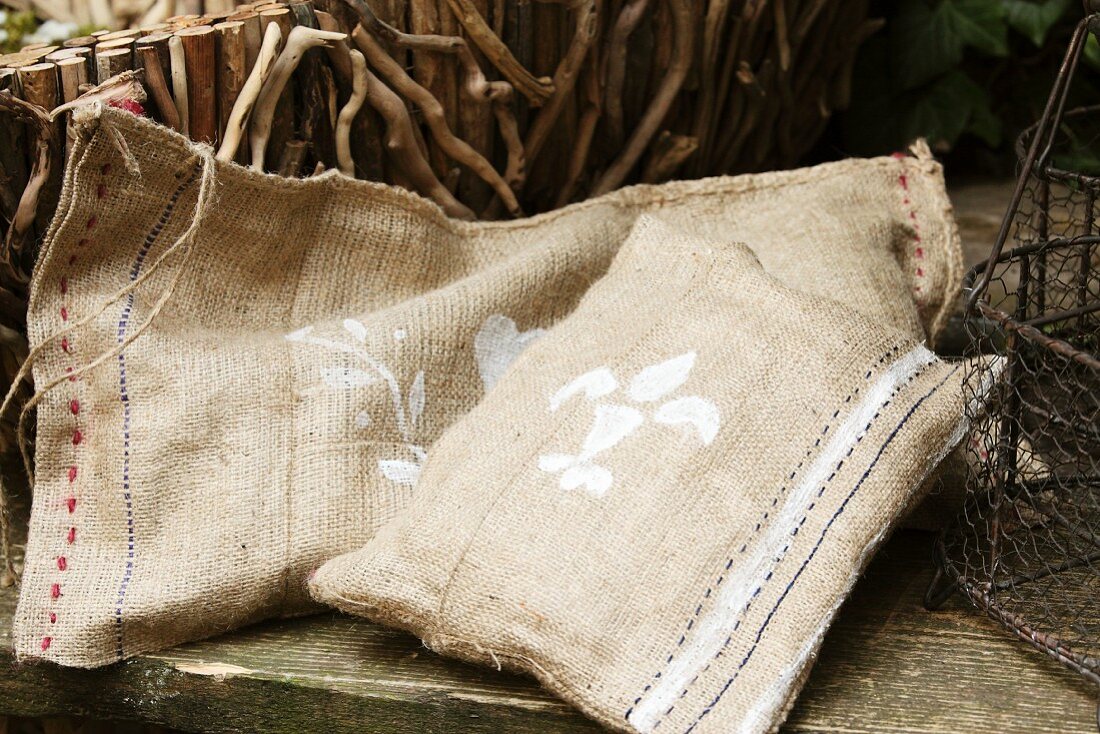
(291, 365)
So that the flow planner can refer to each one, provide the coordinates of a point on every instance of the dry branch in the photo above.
(683, 26)
(349, 112)
(242, 110)
(232, 69)
(179, 83)
(667, 156)
(39, 84)
(301, 39)
(112, 62)
(433, 113)
(565, 78)
(615, 65)
(121, 90)
(37, 121)
(158, 87)
(198, 48)
(536, 89)
(72, 72)
(402, 147)
(498, 94)
(586, 131)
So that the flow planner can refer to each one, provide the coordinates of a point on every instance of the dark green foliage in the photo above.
(973, 72)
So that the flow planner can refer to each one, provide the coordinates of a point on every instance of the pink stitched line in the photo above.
(918, 252)
(74, 409)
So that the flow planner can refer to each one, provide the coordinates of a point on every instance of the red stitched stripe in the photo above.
(903, 181)
(74, 409)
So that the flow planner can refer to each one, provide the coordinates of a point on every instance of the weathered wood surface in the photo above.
(979, 208)
(886, 666)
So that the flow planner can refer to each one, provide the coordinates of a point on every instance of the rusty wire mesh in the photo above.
(1026, 549)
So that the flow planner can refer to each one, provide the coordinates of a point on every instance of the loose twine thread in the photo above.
(203, 203)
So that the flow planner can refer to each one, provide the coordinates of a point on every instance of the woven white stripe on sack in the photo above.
(712, 631)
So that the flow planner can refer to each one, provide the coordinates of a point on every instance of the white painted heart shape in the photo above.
(497, 345)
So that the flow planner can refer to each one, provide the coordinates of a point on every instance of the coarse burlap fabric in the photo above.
(283, 370)
(672, 493)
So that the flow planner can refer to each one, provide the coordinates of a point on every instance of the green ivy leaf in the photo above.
(942, 112)
(947, 108)
(1034, 19)
(923, 42)
(929, 39)
(980, 23)
(984, 123)
(1091, 54)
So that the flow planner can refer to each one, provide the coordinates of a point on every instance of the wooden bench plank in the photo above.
(326, 673)
(887, 666)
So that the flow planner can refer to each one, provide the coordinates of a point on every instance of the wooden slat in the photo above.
(887, 666)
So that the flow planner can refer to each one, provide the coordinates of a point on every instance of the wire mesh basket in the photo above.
(1026, 549)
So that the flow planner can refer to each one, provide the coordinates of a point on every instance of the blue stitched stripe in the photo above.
(124, 397)
(817, 546)
(744, 546)
(794, 532)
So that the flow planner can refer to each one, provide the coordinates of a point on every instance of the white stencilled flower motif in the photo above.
(656, 381)
(407, 409)
(614, 422)
(695, 411)
(497, 344)
(594, 384)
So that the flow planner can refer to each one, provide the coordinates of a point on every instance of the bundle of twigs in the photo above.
(491, 108)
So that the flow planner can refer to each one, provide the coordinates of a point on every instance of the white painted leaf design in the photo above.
(656, 381)
(402, 472)
(694, 410)
(356, 329)
(416, 398)
(595, 479)
(613, 423)
(299, 335)
(554, 463)
(497, 344)
(595, 384)
(344, 378)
